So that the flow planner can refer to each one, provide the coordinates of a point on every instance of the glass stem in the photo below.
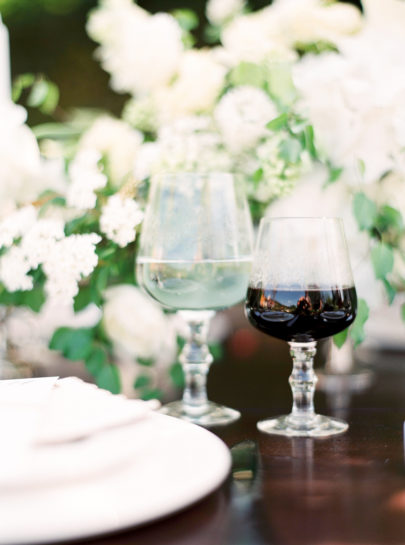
(303, 381)
(196, 360)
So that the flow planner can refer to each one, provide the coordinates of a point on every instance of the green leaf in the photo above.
(142, 381)
(109, 379)
(187, 18)
(154, 393)
(96, 360)
(278, 123)
(340, 338)
(147, 362)
(310, 141)
(361, 166)
(357, 329)
(382, 258)
(22, 82)
(75, 344)
(248, 73)
(389, 218)
(34, 299)
(403, 312)
(177, 375)
(290, 150)
(365, 211)
(281, 85)
(102, 278)
(56, 131)
(38, 94)
(334, 174)
(181, 341)
(390, 290)
(216, 350)
(83, 298)
(212, 34)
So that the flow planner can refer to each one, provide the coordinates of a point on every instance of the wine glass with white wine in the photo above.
(195, 256)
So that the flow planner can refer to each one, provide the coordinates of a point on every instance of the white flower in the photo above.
(14, 267)
(242, 115)
(147, 158)
(68, 261)
(38, 242)
(191, 143)
(137, 324)
(86, 178)
(255, 38)
(139, 50)
(118, 141)
(189, 94)
(119, 218)
(221, 11)
(16, 225)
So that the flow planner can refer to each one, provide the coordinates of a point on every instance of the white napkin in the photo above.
(60, 430)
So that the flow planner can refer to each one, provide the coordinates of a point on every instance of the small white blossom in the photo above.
(69, 260)
(86, 178)
(16, 224)
(14, 267)
(119, 219)
(242, 115)
(221, 11)
(37, 243)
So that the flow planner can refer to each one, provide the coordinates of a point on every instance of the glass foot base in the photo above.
(214, 415)
(319, 426)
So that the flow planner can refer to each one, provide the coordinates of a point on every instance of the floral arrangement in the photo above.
(285, 96)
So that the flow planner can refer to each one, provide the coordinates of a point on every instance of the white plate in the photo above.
(179, 464)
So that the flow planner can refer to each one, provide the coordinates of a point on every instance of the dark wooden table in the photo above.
(349, 489)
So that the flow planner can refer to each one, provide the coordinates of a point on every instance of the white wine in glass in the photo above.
(195, 257)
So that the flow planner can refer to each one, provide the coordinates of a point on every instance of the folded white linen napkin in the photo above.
(58, 430)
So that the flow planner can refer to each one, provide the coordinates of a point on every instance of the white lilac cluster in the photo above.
(41, 241)
(85, 178)
(119, 218)
(242, 115)
(70, 259)
(141, 51)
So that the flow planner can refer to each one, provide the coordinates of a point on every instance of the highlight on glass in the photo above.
(301, 290)
(195, 257)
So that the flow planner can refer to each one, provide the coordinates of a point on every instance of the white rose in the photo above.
(118, 141)
(137, 325)
(191, 93)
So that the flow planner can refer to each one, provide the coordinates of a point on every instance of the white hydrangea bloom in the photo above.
(119, 218)
(16, 225)
(147, 158)
(140, 51)
(14, 267)
(69, 260)
(242, 115)
(191, 143)
(221, 11)
(118, 141)
(86, 178)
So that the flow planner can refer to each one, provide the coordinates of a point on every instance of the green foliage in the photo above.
(290, 150)
(141, 381)
(280, 84)
(187, 18)
(177, 375)
(278, 123)
(403, 312)
(91, 346)
(357, 329)
(153, 393)
(42, 93)
(33, 299)
(248, 73)
(315, 48)
(382, 258)
(365, 211)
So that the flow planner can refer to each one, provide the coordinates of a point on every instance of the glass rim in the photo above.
(318, 218)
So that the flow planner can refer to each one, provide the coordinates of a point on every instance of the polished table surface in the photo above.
(348, 489)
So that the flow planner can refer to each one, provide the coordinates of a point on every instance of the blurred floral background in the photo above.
(301, 97)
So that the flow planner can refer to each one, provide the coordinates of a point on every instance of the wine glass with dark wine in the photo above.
(301, 290)
(195, 257)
